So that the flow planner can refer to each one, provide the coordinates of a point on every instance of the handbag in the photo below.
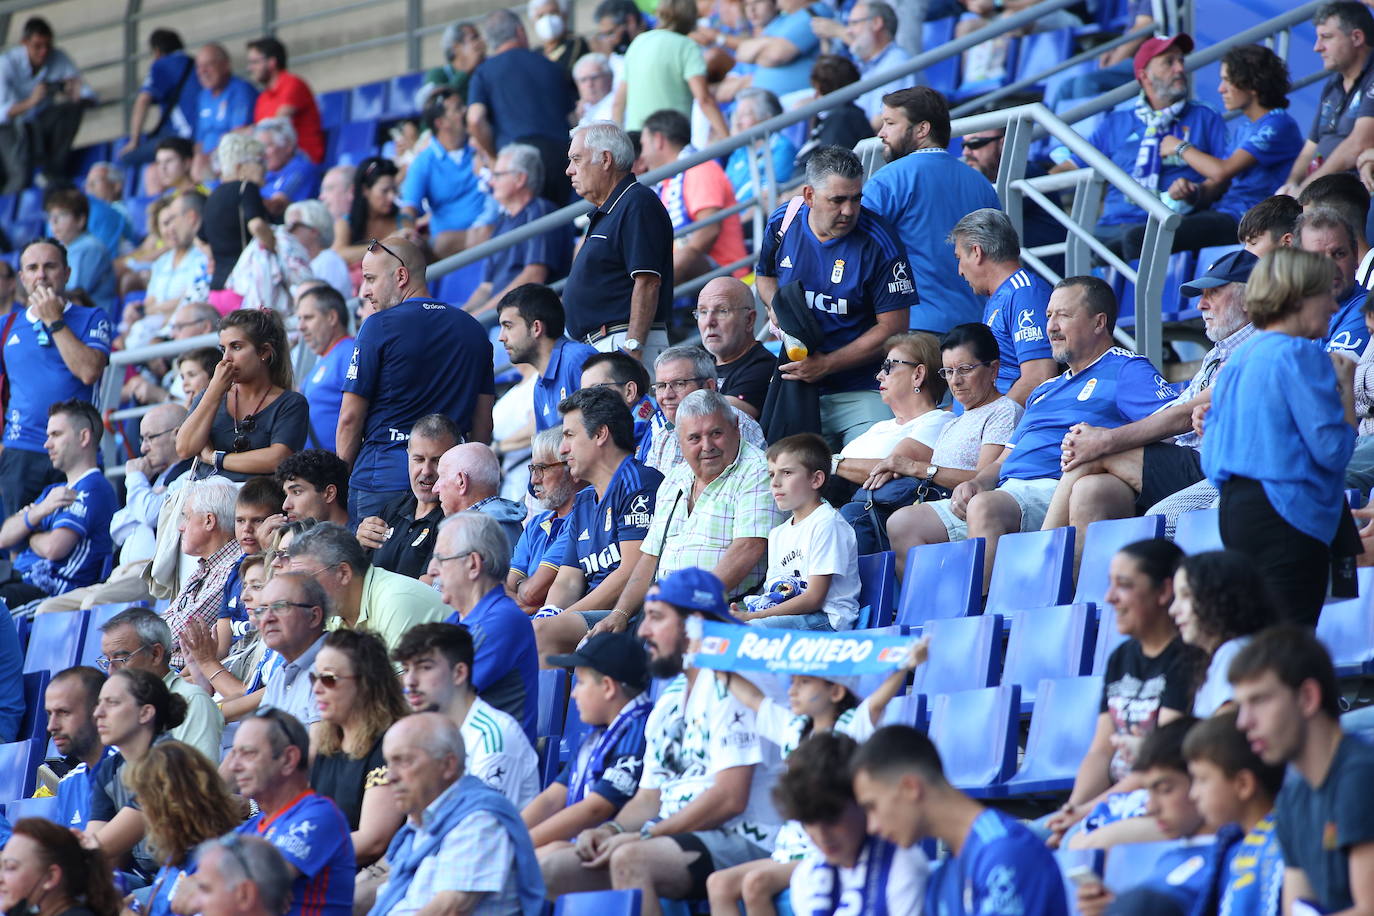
(869, 510)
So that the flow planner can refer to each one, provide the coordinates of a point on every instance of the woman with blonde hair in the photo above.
(234, 212)
(184, 802)
(1281, 431)
(359, 697)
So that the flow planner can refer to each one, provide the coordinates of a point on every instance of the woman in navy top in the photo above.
(1264, 143)
(1281, 430)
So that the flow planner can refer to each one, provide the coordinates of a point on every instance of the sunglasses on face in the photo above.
(978, 142)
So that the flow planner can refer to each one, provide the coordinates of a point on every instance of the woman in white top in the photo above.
(911, 387)
(1220, 601)
(970, 441)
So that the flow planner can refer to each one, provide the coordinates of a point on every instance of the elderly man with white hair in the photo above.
(336, 191)
(291, 175)
(310, 222)
(469, 567)
(469, 480)
(594, 79)
(463, 848)
(207, 533)
(678, 372)
(620, 288)
(240, 876)
(516, 183)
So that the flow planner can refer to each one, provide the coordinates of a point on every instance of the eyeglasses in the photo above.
(678, 385)
(709, 314)
(979, 142)
(453, 556)
(374, 244)
(961, 371)
(153, 437)
(539, 469)
(278, 607)
(504, 172)
(329, 679)
(273, 714)
(178, 325)
(861, 20)
(888, 365)
(118, 660)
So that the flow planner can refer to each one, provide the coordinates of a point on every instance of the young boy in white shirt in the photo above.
(813, 559)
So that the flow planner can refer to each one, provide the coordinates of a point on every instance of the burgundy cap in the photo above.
(1153, 47)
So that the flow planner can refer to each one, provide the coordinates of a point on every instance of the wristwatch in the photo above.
(631, 344)
(835, 460)
(219, 460)
(56, 326)
(931, 471)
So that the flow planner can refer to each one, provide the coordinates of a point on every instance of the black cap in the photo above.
(619, 656)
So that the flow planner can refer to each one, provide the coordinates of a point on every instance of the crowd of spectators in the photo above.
(345, 552)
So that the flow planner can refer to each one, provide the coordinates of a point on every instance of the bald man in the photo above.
(469, 478)
(414, 356)
(726, 319)
(225, 103)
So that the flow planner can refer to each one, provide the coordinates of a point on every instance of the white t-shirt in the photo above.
(499, 754)
(690, 737)
(1216, 689)
(822, 544)
(882, 437)
(814, 891)
(330, 267)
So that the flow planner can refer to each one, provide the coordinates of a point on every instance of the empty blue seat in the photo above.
(400, 95)
(18, 761)
(1108, 638)
(35, 721)
(45, 808)
(598, 903)
(333, 108)
(137, 208)
(1199, 531)
(1041, 50)
(1346, 628)
(1049, 642)
(942, 580)
(908, 709)
(55, 641)
(356, 141)
(553, 700)
(965, 653)
(573, 731)
(1101, 542)
(944, 76)
(1060, 733)
(367, 102)
(456, 286)
(975, 732)
(1032, 569)
(877, 589)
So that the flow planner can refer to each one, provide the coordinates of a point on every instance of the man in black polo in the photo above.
(621, 284)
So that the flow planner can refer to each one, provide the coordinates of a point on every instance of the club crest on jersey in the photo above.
(1087, 391)
(837, 272)
(608, 518)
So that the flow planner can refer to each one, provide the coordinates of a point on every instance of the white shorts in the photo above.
(1032, 496)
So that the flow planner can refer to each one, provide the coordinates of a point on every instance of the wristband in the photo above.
(1182, 148)
(217, 674)
(27, 524)
(615, 826)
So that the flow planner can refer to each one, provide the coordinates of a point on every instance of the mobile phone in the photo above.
(1084, 876)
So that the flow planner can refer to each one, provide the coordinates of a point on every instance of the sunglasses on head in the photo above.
(979, 142)
(374, 244)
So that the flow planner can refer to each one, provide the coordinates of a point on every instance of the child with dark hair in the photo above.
(1234, 788)
(845, 863)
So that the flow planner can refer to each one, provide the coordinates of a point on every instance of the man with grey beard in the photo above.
(531, 571)
(1132, 137)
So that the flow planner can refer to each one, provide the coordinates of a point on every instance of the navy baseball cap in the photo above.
(619, 656)
(1233, 267)
(693, 590)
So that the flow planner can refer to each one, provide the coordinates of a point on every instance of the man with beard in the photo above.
(1131, 139)
(923, 191)
(402, 537)
(322, 318)
(531, 319)
(534, 565)
(702, 803)
(69, 703)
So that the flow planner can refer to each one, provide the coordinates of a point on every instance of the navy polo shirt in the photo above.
(561, 377)
(553, 249)
(524, 93)
(630, 233)
(416, 358)
(1339, 109)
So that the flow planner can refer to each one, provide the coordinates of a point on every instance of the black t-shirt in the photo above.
(844, 126)
(286, 420)
(345, 779)
(1136, 687)
(408, 550)
(224, 227)
(628, 234)
(747, 378)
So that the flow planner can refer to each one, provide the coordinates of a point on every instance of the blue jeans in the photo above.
(817, 620)
(362, 504)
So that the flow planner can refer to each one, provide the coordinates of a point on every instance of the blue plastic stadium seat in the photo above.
(598, 903)
(45, 808)
(1108, 638)
(1346, 628)
(1199, 531)
(1130, 863)
(1049, 642)
(944, 76)
(969, 89)
(35, 721)
(965, 653)
(942, 580)
(909, 709)
(975, 732)
(400, 95)
(1041, 50)
(1033, 569)
(456, 286)
(573, 731)
(877, 589)
(333, 108)
(55, 642)
(355, 142)
(1100, 544)
(138, 213)
(18, 761)
(553, 700)
(367, 102)
(1060, 733)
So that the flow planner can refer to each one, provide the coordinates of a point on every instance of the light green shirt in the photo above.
(392, 604)
(204, 723)
(658, 65)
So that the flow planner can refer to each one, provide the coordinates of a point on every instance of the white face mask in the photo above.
(549, 26)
